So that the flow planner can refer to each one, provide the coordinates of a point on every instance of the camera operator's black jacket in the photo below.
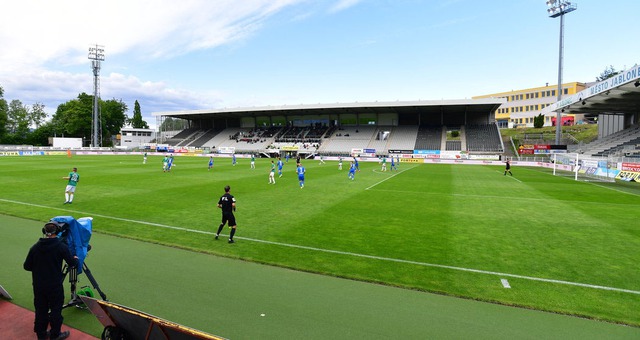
(44, 261)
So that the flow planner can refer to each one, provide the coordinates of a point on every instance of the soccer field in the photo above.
(560, 245)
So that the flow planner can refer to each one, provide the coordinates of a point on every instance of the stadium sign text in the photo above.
(624, 77)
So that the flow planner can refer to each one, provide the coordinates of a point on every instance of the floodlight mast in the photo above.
(558, 8)
(96, 55)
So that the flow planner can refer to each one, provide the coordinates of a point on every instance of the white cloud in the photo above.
(341, 5)
(45, 45)
(34, 32)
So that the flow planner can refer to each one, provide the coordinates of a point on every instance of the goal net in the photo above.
(584, 168)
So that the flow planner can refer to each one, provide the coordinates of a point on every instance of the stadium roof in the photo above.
(618, 94)
(470, 106)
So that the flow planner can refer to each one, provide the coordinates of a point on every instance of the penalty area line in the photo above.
(390, 177)
(329, 251)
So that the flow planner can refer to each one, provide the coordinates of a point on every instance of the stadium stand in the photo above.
(402, 138)
(181, 136)
(220, 138)
(429, 138)
(199, 138)
(345, 139)
(612, 143)
(483, 138)
(380, 139)
(453, 145)
(334, 140)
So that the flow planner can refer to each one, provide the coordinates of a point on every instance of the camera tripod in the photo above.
(73, 280)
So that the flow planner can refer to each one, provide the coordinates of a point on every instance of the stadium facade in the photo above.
(376, 128)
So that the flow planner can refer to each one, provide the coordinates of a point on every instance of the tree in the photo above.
(37, 115)
(538, 121)
(18, 121)
(137, 122)
(40, 136)
(75, 118)
(173, 124)
(607, 73)
(113, 119)
(3, 115)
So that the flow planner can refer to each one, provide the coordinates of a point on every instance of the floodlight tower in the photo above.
(558, 8)
(96, 55)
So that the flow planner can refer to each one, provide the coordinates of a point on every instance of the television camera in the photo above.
(76, 235)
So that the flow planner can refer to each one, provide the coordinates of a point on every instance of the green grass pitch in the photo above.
(564, 246)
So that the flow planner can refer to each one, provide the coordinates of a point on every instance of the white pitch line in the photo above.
(598, 185)
(390, 177)
(424, 264)
(510, 176)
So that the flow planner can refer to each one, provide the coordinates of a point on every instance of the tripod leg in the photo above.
(93, 281)
(73, 280)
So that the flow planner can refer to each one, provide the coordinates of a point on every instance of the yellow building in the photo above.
(523, 105)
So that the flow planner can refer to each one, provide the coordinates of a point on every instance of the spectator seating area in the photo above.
(181, 136)
(402, 138)
(203, 138)
(341, 140)
(483, 138)
(346, 138)
(453, 145)
(429, 138)
(613, 143)
(302, 134)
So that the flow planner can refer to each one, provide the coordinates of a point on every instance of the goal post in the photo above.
(584, 168)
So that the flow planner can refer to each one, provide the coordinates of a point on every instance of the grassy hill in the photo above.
(582, 133)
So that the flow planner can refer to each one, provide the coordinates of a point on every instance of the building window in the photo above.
(565, 91)
(537, 94)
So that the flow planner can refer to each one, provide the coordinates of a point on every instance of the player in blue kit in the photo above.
(352, 171)
(301, 172)
(210, 163)
(170, 163)
(356, 164)
(393, 164)
(280, 165)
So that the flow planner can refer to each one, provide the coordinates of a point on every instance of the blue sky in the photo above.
(199, 54)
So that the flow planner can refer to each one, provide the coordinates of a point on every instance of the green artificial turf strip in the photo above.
(227, 297)
(471, 217)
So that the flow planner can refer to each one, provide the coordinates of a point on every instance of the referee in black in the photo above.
(228, 205)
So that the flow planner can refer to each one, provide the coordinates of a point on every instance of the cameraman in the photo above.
(44, 261)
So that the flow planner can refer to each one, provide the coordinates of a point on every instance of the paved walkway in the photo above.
(17, 323)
